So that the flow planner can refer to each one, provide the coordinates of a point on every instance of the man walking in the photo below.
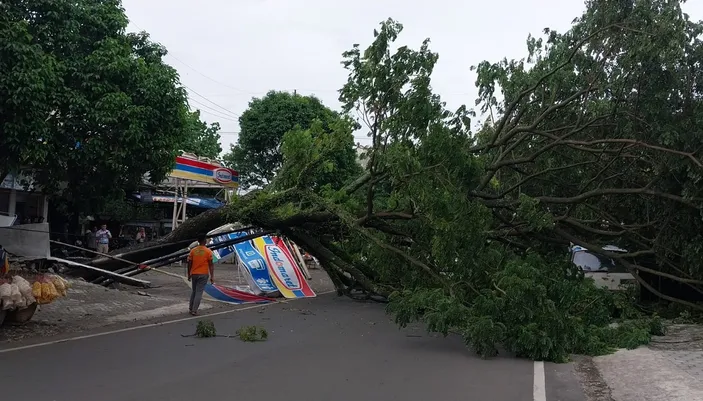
(103, 237)
(200, 266)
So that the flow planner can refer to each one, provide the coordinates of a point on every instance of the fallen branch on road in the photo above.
(206, 329)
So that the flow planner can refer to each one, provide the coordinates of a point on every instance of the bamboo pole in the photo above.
(177, 256)
(298, 257)
(117, 277)
(95, 252)
(102, 280)
(164, 245)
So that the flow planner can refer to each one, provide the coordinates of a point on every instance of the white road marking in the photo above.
(539, 390)
(185, 319)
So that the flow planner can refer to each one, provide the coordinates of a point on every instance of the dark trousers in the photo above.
(198, 282)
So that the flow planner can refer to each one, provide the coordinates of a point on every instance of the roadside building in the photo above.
(20, 202)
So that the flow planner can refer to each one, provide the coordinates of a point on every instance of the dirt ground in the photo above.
(88, 306)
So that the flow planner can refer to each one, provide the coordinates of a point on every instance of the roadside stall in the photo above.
(22, 291)
(23, 283)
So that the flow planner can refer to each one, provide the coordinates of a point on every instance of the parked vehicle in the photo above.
(603, 270)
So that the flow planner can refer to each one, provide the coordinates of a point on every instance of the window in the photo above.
(591, 262)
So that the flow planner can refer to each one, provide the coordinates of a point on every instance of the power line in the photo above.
(209, 110)
(316, 91)
(237, 133)
(209, 117)
(214, 116)
(227, 112)
(212, 79)
(192, 68)
(243, 92)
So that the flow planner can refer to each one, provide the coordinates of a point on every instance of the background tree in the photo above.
(89, 107)
(27, 77)
(318, 159)
(257, 154)
(203, 139)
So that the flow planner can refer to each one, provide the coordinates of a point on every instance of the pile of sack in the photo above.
(18, 293)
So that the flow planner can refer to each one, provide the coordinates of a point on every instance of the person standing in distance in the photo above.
(141, 235)
(91, 241)
(200, 267)
(103, 237)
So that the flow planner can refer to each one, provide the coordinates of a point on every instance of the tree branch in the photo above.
(500, 162)
(511, 107)
(615, 191)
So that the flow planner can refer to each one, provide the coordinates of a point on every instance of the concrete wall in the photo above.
(26, 240)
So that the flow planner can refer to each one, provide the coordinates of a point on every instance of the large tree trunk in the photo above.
(306, 229)
(175, 240)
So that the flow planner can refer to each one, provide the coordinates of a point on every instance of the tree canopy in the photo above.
(257, 154)
(591, 140)
(86, 106)
(203, 139)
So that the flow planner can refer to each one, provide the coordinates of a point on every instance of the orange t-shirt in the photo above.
(200, 256)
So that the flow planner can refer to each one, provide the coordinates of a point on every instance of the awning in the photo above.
(204, 203)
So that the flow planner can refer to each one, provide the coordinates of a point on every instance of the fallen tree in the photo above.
(468, 231)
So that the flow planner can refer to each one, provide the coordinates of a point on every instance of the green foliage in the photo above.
(683, 318)
(677, 313)
(257, 155)
(85, 106)
(529, 211)
(252, 334)
(205, 329)
(594, 116)
(203, 139)
(531, 312)
(592, 141)
(314, 159)
(27, 77)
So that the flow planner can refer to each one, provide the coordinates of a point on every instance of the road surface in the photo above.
(323, 349)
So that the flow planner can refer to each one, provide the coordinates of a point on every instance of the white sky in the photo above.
(230, 51)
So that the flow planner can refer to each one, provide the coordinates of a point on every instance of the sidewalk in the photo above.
(88, 306)
(669, 369)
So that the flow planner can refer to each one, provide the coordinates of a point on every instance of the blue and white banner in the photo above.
(226, 253)
(256, 270)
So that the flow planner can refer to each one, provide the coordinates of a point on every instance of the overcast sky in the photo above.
(228, 51)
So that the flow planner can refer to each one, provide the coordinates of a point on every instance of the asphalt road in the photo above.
(324, 349)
